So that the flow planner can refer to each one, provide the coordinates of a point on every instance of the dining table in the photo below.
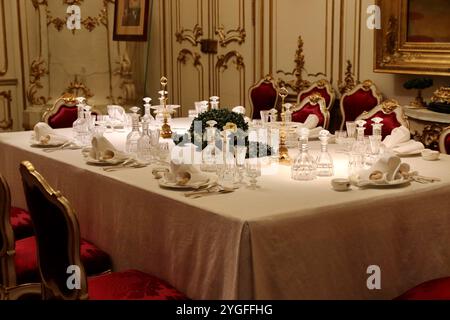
(285, 240)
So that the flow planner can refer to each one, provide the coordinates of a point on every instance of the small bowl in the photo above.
(341, 184)
(430, 155)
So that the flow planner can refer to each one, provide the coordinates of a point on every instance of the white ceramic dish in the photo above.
(163, 183)
(379, 184)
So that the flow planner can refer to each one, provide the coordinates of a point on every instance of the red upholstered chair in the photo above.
(263, 96)
(63, 113)
(364, 97)
(444, 141)
(313, 104)
(322, 87)
(58, 242)
(23, 255)
(21, 223)
(391, 113)
(438, 289)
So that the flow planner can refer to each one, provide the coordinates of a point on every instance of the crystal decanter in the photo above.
(288, 112)
(304, 167)
(325, 166)
(375, 141)
(211, 152)
(144, 147)
(147, 110)
(214, 103)
(358, 150)
(135, 134)
(227, 169)
(80, 122)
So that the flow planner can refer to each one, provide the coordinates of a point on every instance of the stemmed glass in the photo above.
(240, 155)
(253, 170)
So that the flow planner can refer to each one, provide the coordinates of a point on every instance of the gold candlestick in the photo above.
(283, 149)
(166, 130)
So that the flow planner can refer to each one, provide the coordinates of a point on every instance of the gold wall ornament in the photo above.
(226, 37)
(7, 121)
(78, 88)
(442, 95)
(125, 72)
(299, 84)
(430, 135)
(397, 52)
(349, 82)
(191, 35)
(38, 69)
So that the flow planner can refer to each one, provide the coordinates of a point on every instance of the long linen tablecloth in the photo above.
(288, 240)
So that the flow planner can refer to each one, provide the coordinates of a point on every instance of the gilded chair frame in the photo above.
(8, 286)
(444, 134)
(315, 99)
(320, 84)
(367, 85)
(67, 99)
(50, 290)
(387, 107)
(266, 79)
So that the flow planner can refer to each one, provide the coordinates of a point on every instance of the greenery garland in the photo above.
(224, 117)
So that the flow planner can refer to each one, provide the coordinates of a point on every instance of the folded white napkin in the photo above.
(409, 147)
(103, 150)
(398, 135)
(239, 110)
(45, 135)
(117, 113)
(185, 174)
(311, 122)
(384, 170)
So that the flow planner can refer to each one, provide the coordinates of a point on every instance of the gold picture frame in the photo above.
(411, 40)
(131, 20)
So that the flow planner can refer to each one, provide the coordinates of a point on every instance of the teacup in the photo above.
(430, 155)
(341, 184)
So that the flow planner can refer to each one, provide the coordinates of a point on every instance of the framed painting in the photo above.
(131, 20)
(414, 37)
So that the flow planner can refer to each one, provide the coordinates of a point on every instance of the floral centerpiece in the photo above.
(226, 120)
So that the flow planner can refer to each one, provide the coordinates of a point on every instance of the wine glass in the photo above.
(240, 155)
(253, 170)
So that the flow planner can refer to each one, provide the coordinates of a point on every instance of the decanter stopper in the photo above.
(214, 102)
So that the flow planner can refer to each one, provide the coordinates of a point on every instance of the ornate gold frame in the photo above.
(394, 54)
(444, 133)
(315, 99)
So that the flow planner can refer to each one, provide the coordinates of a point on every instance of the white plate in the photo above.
(48, 145)
(95, 162)
(163, 183)
(373, 184)
(409, 154)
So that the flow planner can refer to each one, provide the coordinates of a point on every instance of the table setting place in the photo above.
(221, 151)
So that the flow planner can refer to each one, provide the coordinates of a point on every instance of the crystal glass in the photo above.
(135, 134)
(164, 152)
(358, 151)
(240, 155)
(100, 125)
(304, 166)
(155, 134)
(325, 166)
(265, 116)
(351, 129)
(273, 115)
(193, 114)
(211, 152)
(253, 171)
(144, 147)
(340, 137)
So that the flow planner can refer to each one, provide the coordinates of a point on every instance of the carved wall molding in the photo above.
(78, 88)
(38, 69)
(7, 122)
(223, 63)
(298, 84)
(4, 67)
(349, 83)
(237, 34)
(193, 35)
(183, 59)
(125, 72)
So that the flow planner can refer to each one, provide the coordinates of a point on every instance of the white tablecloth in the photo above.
(288, 240)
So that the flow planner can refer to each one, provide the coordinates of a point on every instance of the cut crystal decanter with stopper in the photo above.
(77, 125)
(211, 152)
(227, 169)
(325, 166)
(304, 166)
(147, 110)
(288, 112)
(144, 147)
(135, 134)
(214, 102)
(358, 150)
(375, 141)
